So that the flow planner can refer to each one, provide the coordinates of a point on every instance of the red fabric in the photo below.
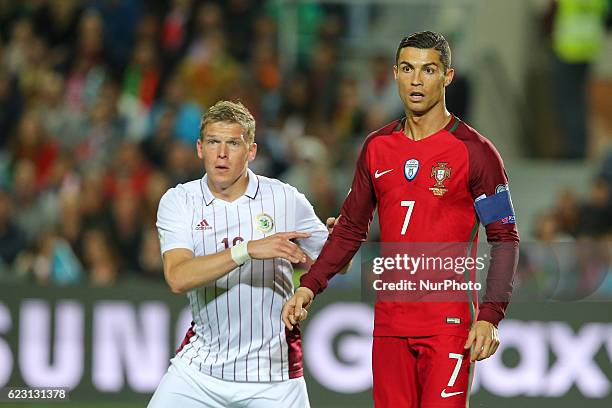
(190, 333)
(148, 87)
(442, 213)
(294, 341)
(418, 372)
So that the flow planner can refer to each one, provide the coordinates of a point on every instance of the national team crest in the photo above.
(411, 168)
(440, 173)
(264, 223)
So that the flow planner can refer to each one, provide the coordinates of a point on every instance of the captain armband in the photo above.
(497, 207)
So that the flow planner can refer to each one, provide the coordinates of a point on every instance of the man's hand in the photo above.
(485, 338)
(278, 245)
(331, 223)
(294, 311)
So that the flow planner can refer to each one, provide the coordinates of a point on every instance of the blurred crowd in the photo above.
(571, 257)
(100, 103)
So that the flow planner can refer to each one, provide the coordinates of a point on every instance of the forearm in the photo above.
(199, 271)
(500, 280)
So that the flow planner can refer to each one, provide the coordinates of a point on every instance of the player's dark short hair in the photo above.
(232, 112)
(424, 40)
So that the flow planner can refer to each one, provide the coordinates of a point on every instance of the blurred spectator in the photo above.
(174, 32)
(323, 78)
(242, 15)
(130, 172)
(157, 145)
(567, 210)
(182, 164)
(119, 28)
(378, 87)
(57, 119)
(12, 238)
(149, 261)
(186, 114)
(126, 229)
(57, 22)
(100, 260)
(34, 144)
(208, 69)
(36, 211)
(347, 116)
(88, 69)
(10, 105)
(311, 174)
(577, 30)
(140, 84)
(55, 262)
(157, 186)
(16, 50)
(596, 213)
(101, 134)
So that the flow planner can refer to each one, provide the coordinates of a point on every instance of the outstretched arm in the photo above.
(184, 272)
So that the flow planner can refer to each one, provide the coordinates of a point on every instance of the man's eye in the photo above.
(212, 141)
(406, 68)
(429, 70)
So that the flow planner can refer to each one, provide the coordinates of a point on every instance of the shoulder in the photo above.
(386, 130)
(275, 187)
(478, 146)
(183, 193)
(268, 184)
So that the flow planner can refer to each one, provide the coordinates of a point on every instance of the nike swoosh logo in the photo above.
(377, 174)
(444, 394)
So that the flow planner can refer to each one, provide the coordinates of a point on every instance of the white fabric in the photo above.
(184, 386)
(240, 253)
(239, 332)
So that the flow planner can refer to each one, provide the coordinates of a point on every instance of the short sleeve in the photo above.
(307, 221)
(174, 221)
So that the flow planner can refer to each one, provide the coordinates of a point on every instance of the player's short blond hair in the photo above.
(231, 112)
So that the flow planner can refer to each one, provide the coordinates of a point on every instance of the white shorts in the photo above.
(186, 387)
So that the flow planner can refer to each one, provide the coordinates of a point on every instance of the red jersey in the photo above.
(425, 192)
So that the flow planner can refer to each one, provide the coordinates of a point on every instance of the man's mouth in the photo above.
(416, 96)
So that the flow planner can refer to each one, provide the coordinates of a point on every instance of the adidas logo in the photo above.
(203, 225)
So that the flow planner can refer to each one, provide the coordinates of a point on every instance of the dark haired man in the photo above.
(421, 353)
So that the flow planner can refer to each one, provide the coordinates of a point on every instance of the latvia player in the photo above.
(228, 241)
(433, 179)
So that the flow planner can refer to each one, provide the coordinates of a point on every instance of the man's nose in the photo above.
(416, 78)
(223, 149)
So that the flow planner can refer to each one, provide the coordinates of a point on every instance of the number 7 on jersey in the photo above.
(410, 205)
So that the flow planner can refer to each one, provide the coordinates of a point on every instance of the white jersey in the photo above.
(237, 333)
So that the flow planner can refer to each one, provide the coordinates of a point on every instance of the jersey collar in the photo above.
(451, 126)
(251, 190)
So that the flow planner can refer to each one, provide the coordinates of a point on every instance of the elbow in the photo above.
(177, 289)
(176, 286)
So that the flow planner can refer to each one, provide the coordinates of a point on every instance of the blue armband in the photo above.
(497, 207)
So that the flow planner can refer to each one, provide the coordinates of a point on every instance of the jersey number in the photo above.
(236, 240)
(410, 205)
(459, 359)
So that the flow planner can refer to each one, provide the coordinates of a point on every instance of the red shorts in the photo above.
(421, 372)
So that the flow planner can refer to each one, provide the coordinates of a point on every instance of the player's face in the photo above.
(421, 79)
(225, 153)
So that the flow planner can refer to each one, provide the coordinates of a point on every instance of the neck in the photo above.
(229, 192)
(421, 125)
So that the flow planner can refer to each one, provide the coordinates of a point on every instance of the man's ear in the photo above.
(200, 148)
(448, 77)
(252, 151)
(395, 71)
